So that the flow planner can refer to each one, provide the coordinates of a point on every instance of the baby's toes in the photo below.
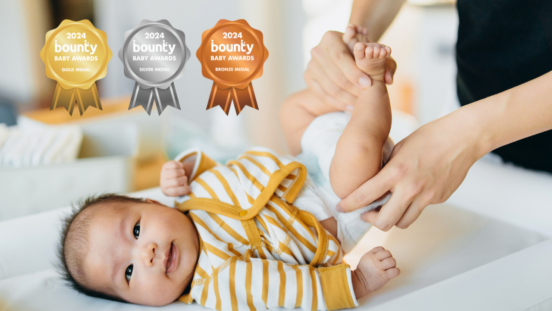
(373, 50)
(359, 50)
(388, 263)
(377, 51)
(362, 30)
(349, 34)
(369, 51)
(385, 52)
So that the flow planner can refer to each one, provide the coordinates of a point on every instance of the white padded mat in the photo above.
(485, 249)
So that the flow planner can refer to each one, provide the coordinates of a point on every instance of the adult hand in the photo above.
(425, 168)
(333, 76)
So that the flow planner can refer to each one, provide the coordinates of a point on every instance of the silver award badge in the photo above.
(154, 55)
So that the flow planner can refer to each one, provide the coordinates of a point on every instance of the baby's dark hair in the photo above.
(74, 232)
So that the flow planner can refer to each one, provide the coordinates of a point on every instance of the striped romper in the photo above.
(258, 249)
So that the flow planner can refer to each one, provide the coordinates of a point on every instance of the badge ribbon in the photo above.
(232, 54)
(154, 55)
(76, 55)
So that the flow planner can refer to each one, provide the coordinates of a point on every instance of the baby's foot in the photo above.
(375, 269)
(354, 34)
(371, 57)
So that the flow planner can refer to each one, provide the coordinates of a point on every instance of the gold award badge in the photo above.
(232, 54)
(76, 55)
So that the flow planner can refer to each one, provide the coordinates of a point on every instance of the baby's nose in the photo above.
(148, 253)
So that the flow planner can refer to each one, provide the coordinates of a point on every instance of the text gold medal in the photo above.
(76, 55)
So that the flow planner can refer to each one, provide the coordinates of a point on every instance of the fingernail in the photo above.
(364, 82)
(349, 108)
(359, 47)
(338, 208)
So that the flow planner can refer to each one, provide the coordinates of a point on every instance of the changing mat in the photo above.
(448, 251)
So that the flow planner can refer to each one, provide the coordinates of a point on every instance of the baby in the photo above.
(252, 234)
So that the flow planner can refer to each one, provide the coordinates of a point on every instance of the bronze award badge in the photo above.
(154, 55)
(76, 55)
(232, 54)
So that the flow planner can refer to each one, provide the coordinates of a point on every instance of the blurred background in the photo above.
(121, 151)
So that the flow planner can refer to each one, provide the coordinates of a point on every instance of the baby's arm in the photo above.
(174, 178)
(359, 151)
(262, 283)
(297, 112)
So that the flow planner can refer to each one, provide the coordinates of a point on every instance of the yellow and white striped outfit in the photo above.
(257, 249)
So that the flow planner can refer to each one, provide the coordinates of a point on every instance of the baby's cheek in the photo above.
(160, 291)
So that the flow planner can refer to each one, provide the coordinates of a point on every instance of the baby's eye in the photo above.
(128, 273)
(136, 230)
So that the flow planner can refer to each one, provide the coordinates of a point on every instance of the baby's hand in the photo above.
(374, 270)
(174, 181)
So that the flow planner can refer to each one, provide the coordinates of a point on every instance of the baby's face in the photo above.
(144, 253)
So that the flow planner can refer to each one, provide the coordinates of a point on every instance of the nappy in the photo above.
(318, 143)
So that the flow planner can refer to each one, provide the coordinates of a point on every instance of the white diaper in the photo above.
(318, 144)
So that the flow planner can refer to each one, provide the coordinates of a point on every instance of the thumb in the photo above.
(390, 68)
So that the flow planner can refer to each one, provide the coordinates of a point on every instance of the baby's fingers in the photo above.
(392, 273)
(177, 191)
(175, 187)
(173, 173)
(171, 165)
(175, 182)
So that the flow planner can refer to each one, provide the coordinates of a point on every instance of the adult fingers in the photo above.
(342, 58)
(412, 213)
(319, 91)
(330, 87)
(321, 58)
(390, 69)
(392, 211)
(369, 191)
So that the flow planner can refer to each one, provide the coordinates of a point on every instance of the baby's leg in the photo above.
(358, 155)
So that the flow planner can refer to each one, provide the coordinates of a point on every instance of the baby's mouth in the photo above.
(172, 261)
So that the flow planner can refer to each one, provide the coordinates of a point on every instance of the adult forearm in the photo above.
(375, 15)
(509, 116)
